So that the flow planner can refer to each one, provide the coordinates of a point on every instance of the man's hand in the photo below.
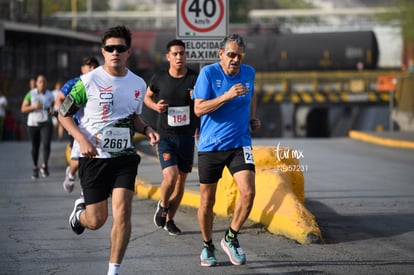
(237, 90)
(161, 106)
(87, 149)
(152, 135)
(255, 124)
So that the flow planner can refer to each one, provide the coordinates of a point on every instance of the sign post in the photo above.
(202, 24)
(387, 83)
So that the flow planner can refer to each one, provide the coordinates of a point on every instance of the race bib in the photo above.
(178, 116)
(248, 154)
(114, 139)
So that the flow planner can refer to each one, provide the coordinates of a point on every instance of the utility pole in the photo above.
(74, 11)
(89, 10)
(39, 13)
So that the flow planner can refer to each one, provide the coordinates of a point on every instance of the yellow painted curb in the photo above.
(68, 151)
(146, 190)
(381, 140)
(139, 137)
(279, 201)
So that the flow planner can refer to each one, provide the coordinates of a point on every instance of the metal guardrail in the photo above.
(325, 87)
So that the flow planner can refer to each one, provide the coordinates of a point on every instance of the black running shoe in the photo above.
(73, 221)
(160, 216)
(35, 174)
(44, 171)
(172, 228)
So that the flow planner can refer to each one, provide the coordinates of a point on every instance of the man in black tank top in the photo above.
(169, 94)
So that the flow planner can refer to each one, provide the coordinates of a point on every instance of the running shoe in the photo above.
(69, 182)
(35, 174)
(74, 222)
(234, 251)
(172, 229)
(44, 171)
(208, 256)
(160, 216)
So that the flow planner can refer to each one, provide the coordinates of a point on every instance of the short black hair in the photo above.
(90, 61)
(175, 42)
(118, 32)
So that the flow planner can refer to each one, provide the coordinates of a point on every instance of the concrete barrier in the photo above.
(279, 202)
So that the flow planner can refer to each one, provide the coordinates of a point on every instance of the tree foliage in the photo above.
(402, 17)
(406, 18)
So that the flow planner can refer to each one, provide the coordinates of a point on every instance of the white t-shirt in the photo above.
(41, 115)
(3, 105)
(109, 105)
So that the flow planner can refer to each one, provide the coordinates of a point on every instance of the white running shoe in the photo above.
(69, 182)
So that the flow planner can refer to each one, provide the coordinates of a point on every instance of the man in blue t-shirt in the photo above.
(224, 100)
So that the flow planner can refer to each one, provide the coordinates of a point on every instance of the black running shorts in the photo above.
(211, 164)
(176, 150)
(99, 176)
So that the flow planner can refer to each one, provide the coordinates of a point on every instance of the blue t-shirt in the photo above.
(67, 87)
(227, 127)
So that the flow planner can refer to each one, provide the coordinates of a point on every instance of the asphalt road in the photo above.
(361, 194)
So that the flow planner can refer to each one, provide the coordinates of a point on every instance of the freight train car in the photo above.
(312, 51)
(309, 83)
(321, 51)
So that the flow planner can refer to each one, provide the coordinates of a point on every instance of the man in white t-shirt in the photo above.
(111, 97)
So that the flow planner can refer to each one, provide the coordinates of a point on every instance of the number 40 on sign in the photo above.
(201, 19)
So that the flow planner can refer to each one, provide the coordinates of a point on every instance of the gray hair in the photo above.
(232, 38)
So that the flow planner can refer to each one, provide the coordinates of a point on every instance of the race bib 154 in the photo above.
(178, 116)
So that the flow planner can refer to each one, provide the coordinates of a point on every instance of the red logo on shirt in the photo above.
(106, 100)
(166, 156)
(137, 93)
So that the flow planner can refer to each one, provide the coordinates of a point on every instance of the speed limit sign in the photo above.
(202, 19)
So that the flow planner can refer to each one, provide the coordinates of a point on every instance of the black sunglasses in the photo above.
(118, 48)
